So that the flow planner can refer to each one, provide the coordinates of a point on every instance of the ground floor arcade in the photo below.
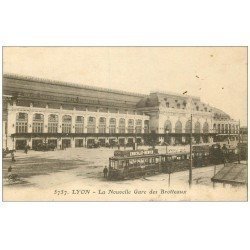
(19, 141)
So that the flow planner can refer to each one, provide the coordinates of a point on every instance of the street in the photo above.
(68, 174)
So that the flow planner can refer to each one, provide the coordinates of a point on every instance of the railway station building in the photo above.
(75, 115)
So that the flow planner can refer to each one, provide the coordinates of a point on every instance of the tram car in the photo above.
(242, 147)
(175, 162)
(133, 163)
(137, 163)
(201, 156)
(232, 154)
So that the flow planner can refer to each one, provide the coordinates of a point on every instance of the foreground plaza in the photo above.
(61, 174)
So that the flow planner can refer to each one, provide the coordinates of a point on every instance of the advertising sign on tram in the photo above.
(178, 149)
(129, 153)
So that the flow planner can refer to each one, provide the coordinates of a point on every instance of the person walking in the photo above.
(26, 149)
(13, 157)
(105, 172)
(9, 172)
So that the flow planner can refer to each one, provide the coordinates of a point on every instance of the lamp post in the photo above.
(190, 101)
(169, 170)
(239, 143)
(167, 132)
(191, 152)
(135, 143)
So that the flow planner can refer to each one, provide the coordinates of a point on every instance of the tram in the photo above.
(175, 162)
(134, 163)
(201, 156)
(137, 163)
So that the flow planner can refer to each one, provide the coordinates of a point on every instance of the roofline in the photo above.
(174, 94)
(68, 84)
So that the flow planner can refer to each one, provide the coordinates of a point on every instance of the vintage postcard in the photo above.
(124, 124)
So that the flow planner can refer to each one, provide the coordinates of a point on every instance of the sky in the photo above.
(218, 75)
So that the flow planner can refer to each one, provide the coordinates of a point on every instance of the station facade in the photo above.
(73, 115)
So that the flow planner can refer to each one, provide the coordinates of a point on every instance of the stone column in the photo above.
(46, 117)
(142, 140)
(60, 122)
(59, 143)
(201, 138)
(183, 139)
(11, 123)
(73, 123)
(84, 142)
(30, 121)
(161, 139)
(210, 139)
(172, 140)
(72, 142)
(96, 123)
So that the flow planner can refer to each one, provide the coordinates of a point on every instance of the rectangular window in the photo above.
(52, 127)
(37, 127)
(122, 129)
(102, 129)
(112, 129)
(79, 128)
(66, 128)
(91, 129)
(21, 127)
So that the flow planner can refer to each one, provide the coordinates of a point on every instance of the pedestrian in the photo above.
(118, 146)
(105, 172)
(13, 157)
(26, 149)
(9, 172)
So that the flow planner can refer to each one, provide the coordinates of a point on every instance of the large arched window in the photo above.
(188, 127)
(53, 123)
(219, 130)
(226, 128)
(38, 123)
(138, 126)
(91, 124)
(197, 128)
(79, 125)
(233, 129)
(130, 126)
(112, 125)
(214, 128)
(236, 129)
(222, 128)
(122, 125)
(66, 124)
(146, 127)
(205, 128)
(167, 126)
(102, 125)
(178, 127)
(22, 123)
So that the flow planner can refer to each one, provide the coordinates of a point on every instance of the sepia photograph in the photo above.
(124, 124)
